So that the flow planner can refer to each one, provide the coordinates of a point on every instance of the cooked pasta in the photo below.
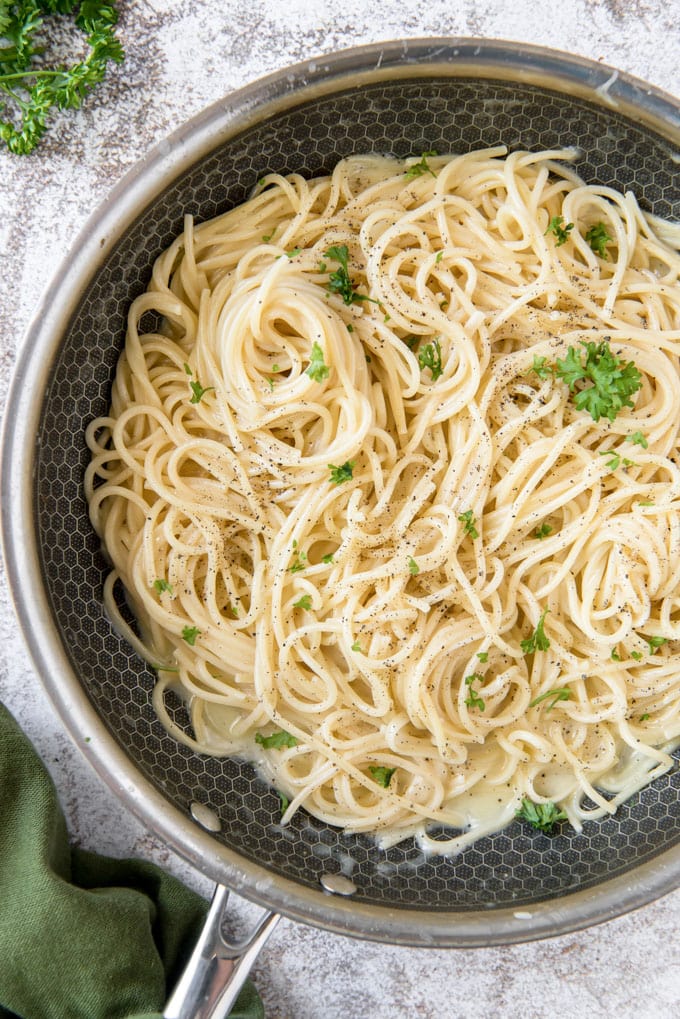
(391, 483)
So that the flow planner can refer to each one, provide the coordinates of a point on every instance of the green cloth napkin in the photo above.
(82, 936)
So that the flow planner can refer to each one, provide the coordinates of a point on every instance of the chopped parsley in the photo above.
(598, 238)
(467, 519)
(300, 561)
(285, 802)
(543, 531)
(328, 558)
(636, 655)
(543, 816)
(421, 167)
(440, 255)
(615, 461)
(655, 643)
(356, 646)
(430, 356)
(473, 700)
(293, 252)
(383, 776)
(645, 717)
(339, 282)
(483, 656)
(413, 567)
(411, 341)
(638, 439)
(317, 368)
(561, 232)
(613, 382)
(278, 740)
(561, 694)
(198, 391)
(190, 633)
(305, 602)
(541, 367)
(615, 655)
(538, 640)
(162, 585)
(342, 473)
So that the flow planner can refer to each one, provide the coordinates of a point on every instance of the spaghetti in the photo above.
(372, 530)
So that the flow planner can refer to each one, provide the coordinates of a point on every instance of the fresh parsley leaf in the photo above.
(541, 367)
(328, 558)
(543, 816)
(615, 461)
(538, 640)
(561, 232)
(285, 802)
(430, 356)
(190, 633)
(162, 585)
(300, 561)
(305, 602)
(317, 369)
(483, 656)
(293, 252)
(278, 740)
(638, 439)
(413, 567)
(343, 473)
(636, 655)
(644, 718)
(198, 390)
(615, 655)
(422, 167)
(655, 643)
(339, 282)
(598, 238)
(438, 258)
(473, 700)
(411, 341)
(543, 531)
(383, 776)
(613, 382)
(36, 89)
(561, 694)
(356, 646)
(646, 502)
(467, 519)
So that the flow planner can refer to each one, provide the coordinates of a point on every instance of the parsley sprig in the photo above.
(598, 239)
(543, 816)
(430, 356)
(382, 775)
(613, 382)
(343, 473)
(421, 167)
(278, 740)
(561, 232)
(538, 640)
(33, 91)
(339, 282)
(317, 368)
(473, 700)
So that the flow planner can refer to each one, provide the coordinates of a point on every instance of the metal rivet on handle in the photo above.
(337, 884)
(205, 816)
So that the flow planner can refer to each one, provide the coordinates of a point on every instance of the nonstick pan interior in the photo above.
(514, 869)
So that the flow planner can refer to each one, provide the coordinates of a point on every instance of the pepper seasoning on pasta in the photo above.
(392, 488)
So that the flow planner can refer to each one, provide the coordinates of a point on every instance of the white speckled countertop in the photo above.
(181, 56)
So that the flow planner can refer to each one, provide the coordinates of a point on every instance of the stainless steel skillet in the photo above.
(401, 98)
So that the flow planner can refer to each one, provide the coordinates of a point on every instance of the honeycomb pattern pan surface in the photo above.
(515, 870)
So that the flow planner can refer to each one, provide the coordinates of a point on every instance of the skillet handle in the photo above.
(217, 970)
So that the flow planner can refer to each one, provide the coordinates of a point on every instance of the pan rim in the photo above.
(168, 160)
